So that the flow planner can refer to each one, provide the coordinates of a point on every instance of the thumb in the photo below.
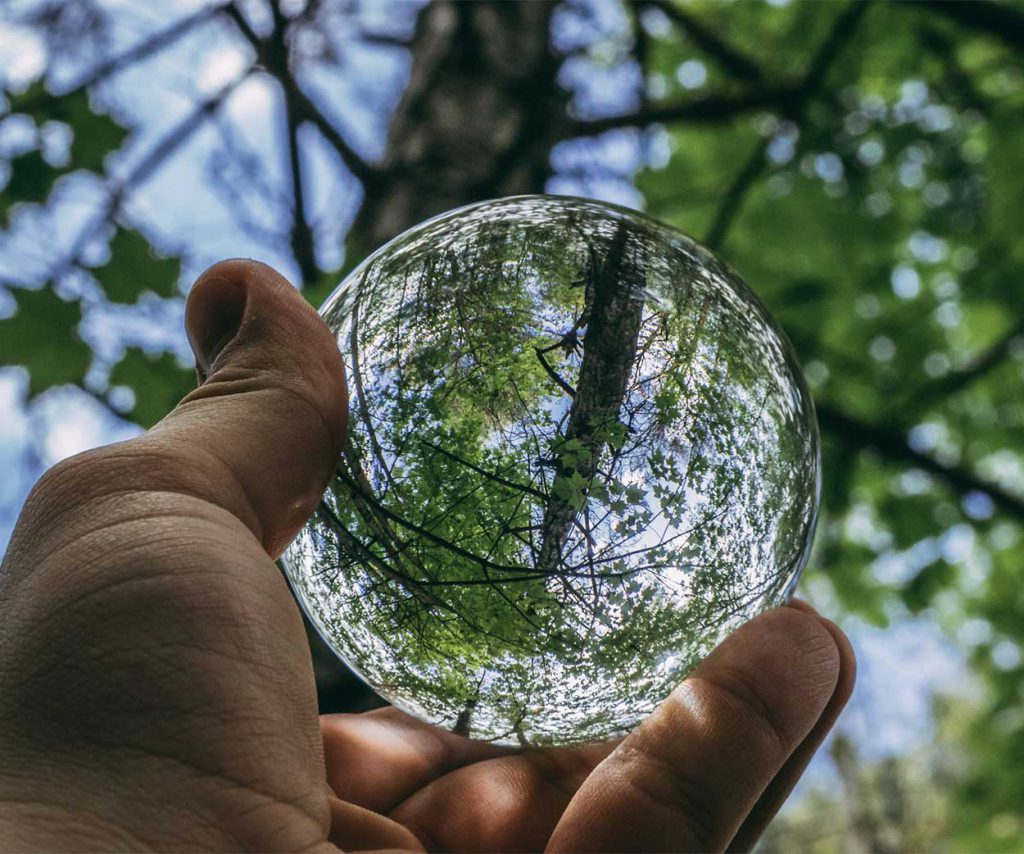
(258, 438)
(146, 637)
(261, 434)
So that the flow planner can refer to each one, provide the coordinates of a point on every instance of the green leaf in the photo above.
(95, 134)
(922, 589)
(158, 382)
(31, 180)
(42, 336)
(133, 267)
(635, 494)
(30, 99)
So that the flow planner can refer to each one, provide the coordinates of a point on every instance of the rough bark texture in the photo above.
(478, 119)
(613, 312)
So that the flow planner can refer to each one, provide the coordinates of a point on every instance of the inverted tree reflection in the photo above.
(578, 455)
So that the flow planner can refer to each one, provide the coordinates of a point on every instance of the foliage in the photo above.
(157, 384)
(28, 339)
(880, 806)
(133, 267)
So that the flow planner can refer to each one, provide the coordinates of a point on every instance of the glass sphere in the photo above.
(580, 453)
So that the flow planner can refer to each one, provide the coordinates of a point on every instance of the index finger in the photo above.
(378, 759)
(691, 773)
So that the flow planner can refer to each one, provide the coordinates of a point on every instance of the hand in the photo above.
(155, 682)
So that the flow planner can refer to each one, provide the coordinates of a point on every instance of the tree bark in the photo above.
(613, 311)
(478, 119)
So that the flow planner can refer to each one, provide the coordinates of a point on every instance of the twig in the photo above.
(138, 52)
(1000, 20)
(729, 58)
(304, 108)
(890, 443)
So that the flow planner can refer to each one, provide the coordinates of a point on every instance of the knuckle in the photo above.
(62, 489)
(102, 472)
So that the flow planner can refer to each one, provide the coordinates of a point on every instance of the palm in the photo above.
(429, 789)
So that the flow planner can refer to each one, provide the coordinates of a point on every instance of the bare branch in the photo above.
(134, 54)
(553, 374)
(1000, 20)
(975, 369)
(729, 58)
(157, 155)
(362, 170)
(302, 105)
(817, 70)
(732, 200)
(301, 238)
(493, 476)
(839, 36)
(240, 21)
(891, 444)
(708, 108)
(103, 401)
(791, 100)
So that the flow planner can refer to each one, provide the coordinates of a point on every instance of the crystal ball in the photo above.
(580, 453)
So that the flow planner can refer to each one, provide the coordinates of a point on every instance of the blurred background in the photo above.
(860, 163)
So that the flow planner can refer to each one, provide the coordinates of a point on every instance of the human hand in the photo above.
(155, 682)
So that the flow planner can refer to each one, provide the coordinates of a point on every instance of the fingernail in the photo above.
(222, 307)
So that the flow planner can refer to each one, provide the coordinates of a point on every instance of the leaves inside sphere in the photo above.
(580, 453)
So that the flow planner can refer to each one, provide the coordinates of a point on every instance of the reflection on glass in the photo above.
(580, 453)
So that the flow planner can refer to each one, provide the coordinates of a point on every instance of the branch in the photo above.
(957, 86)
(362, 170)
(511, 484)
(733, 199)
(553, 374)
(728, 57)
(975, 369)
(169, 143)
(138, 52)
(302, 243)
(103, 401)
(709, 108)
(890, 443)
(240, 21)
(839, 36)
(305, 109)
(999, 20)
(423, 532)
(790, 99)
(642, 55)
(794, 110)
(383, 39)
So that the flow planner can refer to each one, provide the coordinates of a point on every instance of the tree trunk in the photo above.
(478, 119)
(613, 310)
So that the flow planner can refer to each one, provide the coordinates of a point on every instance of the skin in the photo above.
(156, 690)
